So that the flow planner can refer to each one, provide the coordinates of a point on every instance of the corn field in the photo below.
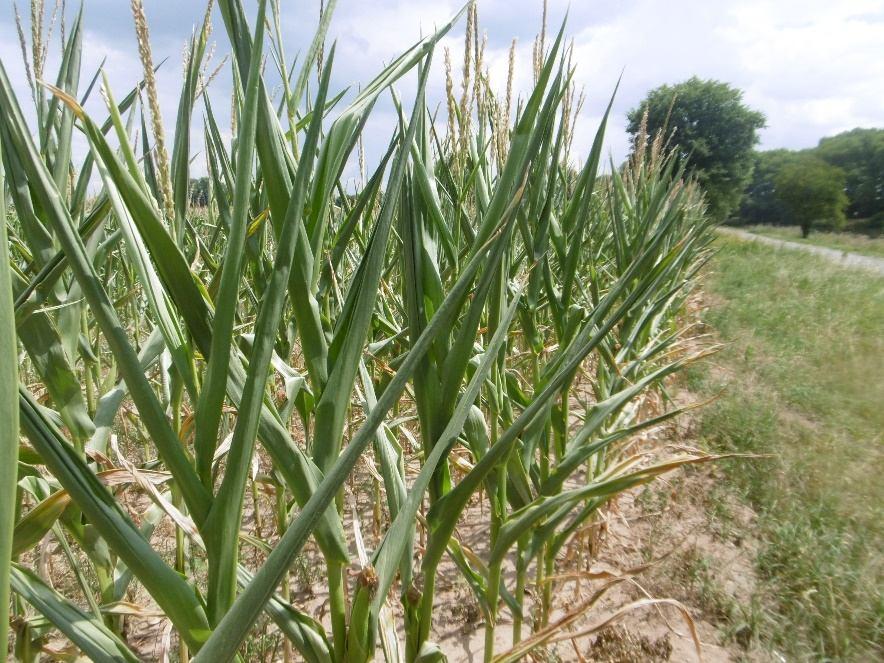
(196, 401)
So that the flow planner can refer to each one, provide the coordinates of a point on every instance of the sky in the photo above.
(814, 68)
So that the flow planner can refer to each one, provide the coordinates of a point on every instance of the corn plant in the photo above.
(8, 414)
(477, 293)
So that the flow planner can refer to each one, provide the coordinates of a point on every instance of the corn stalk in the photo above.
(477, 293)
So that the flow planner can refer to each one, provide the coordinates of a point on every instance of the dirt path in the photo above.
(844, 258)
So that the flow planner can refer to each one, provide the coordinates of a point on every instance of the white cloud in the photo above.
(813, 67)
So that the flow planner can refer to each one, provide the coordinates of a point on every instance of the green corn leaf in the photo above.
(95, 639)
(309, 61)
(168, 589)
(9, 433)
(305, 633)
(38, 521)
(180, 161)
(41, 339)
(62, 128)
(211, 398)
(226, 512)
(355, 317)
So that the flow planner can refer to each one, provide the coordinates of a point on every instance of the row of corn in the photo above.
(192, 397)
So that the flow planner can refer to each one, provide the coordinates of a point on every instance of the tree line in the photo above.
(841, 179)
(715, 133)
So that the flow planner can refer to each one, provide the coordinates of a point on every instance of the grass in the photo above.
(801, 373)
(841, 241)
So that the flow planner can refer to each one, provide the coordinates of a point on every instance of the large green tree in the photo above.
(860, 154)
(714, 132)
(760, 202)
(813, 192)
(199, 192)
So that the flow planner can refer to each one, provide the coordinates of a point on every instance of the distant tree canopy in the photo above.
(860, 154)
(760, 203)
(812, 192)
(199, 192)
(712, 129)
